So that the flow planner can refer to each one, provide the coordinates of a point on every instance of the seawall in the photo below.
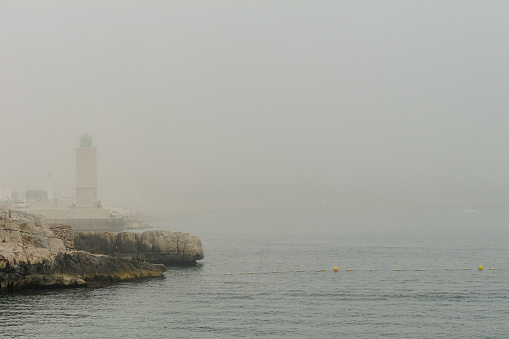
(91, 219)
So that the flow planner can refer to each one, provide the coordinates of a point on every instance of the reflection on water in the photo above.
(434, 302)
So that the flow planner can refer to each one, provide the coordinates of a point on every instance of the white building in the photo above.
(86, 174)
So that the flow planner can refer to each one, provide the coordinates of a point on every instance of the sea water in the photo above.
(402, 272)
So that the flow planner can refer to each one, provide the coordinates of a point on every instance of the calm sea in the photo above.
(355, 302)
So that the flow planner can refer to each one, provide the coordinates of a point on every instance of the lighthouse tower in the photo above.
(86, 174)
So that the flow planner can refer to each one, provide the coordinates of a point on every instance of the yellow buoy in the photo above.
(301, 271)
(422, 269)
(249, 273)
(466, 268)
(448, 269)
(481, 268)
(227, 273)
(348, 269)
(335, 269)
(183, 274)
(492, 268)
(398, 269)
(274, 272)
(324, 270)
(373, 269)
(203, 274)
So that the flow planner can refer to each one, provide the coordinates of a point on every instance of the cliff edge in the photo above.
(159, 247)
(32, 255)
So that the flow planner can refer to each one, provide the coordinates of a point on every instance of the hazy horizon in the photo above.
(281, 102)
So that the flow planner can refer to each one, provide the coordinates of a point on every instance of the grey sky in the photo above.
(259, 101)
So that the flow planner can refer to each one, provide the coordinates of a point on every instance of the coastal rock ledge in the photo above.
(157, 247)
(37, 254)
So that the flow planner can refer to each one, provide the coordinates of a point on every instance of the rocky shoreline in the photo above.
(157, 247)
(37, 254)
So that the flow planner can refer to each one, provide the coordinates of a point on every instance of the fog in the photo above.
(220, 103)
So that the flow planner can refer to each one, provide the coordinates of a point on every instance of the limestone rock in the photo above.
(162, 247)
(32, 255)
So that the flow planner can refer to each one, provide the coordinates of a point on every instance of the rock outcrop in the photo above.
(32, 255)
(64, 232)
(162, 247)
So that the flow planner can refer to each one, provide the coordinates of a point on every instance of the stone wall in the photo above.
(64, 232)
(90, 219)
(71, 213)
(94, 224)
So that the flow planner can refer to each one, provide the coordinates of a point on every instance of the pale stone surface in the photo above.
(91, 219)
(32, 255)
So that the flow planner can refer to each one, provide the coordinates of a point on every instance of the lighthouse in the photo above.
(86, 174)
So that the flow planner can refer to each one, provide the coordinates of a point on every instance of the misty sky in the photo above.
(210, 102)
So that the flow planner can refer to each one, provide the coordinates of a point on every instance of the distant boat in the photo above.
(469, 211)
